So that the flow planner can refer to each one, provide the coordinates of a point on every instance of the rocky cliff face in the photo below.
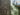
(4, 7)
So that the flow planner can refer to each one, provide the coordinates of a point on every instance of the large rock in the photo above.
(4, 7)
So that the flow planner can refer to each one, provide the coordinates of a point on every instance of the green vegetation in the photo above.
(10, 10)
(15, 13)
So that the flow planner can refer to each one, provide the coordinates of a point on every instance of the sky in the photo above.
(15, 2)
